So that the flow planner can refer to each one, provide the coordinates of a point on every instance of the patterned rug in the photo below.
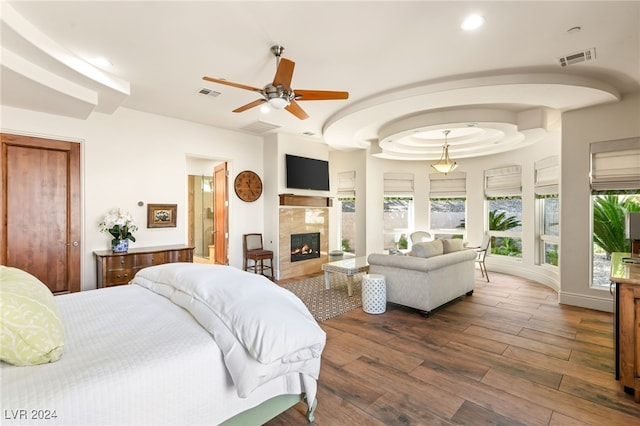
(325, 304)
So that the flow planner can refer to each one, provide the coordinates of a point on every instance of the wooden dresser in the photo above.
(119, 268)
(626, 277)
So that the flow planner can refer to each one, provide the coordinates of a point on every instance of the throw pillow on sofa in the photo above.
(450, 245)
(427, 249)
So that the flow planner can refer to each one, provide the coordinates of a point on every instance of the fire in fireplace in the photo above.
(305, 246)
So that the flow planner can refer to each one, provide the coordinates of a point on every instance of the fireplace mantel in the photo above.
(305, 200)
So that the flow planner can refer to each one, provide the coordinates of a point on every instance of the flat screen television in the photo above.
(307, 173)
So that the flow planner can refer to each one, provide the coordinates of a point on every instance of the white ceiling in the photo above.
(410, 70)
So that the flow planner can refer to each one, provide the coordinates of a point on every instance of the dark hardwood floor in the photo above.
(507, 355)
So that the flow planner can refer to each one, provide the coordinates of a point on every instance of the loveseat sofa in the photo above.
(432, 274)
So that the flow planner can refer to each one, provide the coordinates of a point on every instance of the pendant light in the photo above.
(445, 165)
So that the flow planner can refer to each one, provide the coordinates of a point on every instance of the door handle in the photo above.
(75, 244)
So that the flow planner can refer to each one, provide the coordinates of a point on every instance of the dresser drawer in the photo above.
(119, 262)
(120, 276)
(150, 259)
(179, 256)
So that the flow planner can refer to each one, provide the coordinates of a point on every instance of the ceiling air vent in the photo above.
(574, 58)
(208, 92)
(259, 127)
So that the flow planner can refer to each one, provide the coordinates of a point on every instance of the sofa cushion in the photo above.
(449, 245)
(427, 249)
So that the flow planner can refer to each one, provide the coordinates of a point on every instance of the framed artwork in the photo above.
(161, 215)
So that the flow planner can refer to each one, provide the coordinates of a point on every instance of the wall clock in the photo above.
(248, 186)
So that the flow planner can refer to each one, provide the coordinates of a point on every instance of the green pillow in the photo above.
(30, 327)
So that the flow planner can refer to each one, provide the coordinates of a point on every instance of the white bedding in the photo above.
(133, 357)
(264, 331)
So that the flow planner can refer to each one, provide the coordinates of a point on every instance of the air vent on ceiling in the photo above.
(574, 58)
(259, 127)
(208, 92)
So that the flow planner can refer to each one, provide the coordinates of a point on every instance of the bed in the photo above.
(183, 343)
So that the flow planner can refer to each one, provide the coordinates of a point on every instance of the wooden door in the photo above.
(40, 210)
(220, 213)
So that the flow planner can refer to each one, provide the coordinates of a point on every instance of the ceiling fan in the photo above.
(279, 93)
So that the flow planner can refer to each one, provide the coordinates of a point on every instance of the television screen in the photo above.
(307, 173)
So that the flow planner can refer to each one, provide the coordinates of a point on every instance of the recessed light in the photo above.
(472, 22)
(574, 30)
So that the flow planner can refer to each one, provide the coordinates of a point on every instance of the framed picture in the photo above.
(161, 215)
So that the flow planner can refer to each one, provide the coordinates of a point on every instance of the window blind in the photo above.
(615, 165)
(503, 181)
(547, 176)
(398, 184)
(451, 185)
(347, 184)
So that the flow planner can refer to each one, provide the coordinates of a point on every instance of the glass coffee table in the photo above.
(349, 267)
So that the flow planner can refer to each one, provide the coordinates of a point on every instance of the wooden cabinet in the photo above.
(119, 268)
(627, 314)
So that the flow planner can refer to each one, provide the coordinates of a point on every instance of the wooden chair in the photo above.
(254, 251)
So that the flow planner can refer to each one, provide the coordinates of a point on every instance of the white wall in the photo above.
(581, 127)
(132, 156)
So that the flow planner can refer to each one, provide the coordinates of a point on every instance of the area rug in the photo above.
(325, 304)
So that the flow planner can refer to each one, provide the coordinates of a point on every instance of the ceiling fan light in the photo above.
(278, 103)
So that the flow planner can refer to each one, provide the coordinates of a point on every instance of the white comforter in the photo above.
(263, 330)
(133, 357)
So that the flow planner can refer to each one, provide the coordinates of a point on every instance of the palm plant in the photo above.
(609, 222)
(499, 221)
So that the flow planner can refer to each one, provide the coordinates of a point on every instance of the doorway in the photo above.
(208, 209)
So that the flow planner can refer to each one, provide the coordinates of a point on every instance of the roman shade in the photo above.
(503, 182)
(451, 185)
(398, 184)
(547, 173)
(347, 184)
(615, 165)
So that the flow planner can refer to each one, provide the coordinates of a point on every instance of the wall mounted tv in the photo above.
(307, 173)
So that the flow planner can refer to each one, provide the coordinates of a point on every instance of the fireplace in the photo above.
(305, 246)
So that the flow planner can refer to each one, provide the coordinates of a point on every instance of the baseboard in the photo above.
(604, 304)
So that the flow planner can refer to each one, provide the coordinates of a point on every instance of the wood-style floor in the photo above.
(508, 355)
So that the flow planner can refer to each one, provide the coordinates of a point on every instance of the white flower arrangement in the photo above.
(120, 225)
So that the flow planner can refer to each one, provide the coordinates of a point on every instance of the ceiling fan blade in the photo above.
(249, 105)
(295, 109)
(319, 95)
(229, 83)
(284, 73)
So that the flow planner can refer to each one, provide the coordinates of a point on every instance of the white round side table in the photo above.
(374, 294)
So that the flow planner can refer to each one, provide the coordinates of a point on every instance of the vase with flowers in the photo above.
(121, 226)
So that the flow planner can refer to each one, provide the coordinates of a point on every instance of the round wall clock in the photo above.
(248, 186)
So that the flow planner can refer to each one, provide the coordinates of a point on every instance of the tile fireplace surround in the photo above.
(301, 220)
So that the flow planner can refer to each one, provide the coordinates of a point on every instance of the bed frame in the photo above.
(270, 409)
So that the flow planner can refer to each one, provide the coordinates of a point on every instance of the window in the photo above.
(347, 224)
(549, 214)
(347, 200)
(397, 219)
(503, 189)
(447, 205)
(546, 179)
(615, 190)
(505, 225)
(397, 210)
